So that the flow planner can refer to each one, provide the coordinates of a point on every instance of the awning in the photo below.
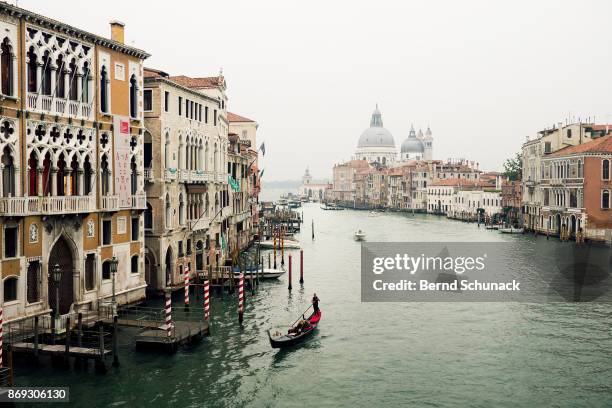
(196, 188)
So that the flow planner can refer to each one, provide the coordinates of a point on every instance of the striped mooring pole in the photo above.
(241, 298)
(1, 335)
(206, 300)
(169, 312)
(186, 286)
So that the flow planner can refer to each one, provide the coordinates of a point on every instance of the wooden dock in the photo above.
(184, 332)
(60, 349)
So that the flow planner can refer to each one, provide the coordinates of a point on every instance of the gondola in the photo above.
(280, 340)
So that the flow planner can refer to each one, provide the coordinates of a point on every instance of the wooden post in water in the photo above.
(274, 246)
(1, 334)
(168, 311)
(312, 228)
(289, 286)
(282, 247)
(269, 261)
(67, 346)
(36, 336)
(301, 266)
(100, 366)
(115, 355)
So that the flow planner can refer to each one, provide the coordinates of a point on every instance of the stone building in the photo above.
(577, 186)
(512, 197)
(534, 151)
(186, 174)
(310, 190)
(376, 144)
(72, 191)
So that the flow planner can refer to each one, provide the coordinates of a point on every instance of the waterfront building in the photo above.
(534, 150)
(71, 120)
(310, 190)
(468, 204)
(576, 184)
(376, 144)
(398, 190)
(186, 173)
(512, 196)
(344, 181)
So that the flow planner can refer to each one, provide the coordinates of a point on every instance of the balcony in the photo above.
(68, 204)
(148, 175)
(19, 206)
(52, 105)
(183, 176)
(202, 223)
(221, 178)
(197, 176)
(170, 174)
(139, 202)
(110, 203)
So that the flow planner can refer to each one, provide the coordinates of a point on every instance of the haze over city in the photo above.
(482, 75)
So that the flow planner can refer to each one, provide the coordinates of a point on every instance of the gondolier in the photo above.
(315, 303)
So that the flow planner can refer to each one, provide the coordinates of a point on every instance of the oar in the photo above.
(303, 313)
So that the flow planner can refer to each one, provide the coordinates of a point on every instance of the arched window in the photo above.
(85, 83)
(33, 175)
(46, 74)
(148, 150)
(148, 217)
(133, 97)
(133, 176)
(105, 176)
(33, 278)
(168, 212)
(60, 84)
(8, 173)
(605, 169)
(605, 199)
(61, 173)
(134, 264)
(181, 210)
(167, 151)
(32, 67)
(103, 90)
(73, 90)
(87, 177)
(74, 176)
(10, 289)
(6, 64)
(106, 270)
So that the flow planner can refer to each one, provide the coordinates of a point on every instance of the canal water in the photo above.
(369, 354)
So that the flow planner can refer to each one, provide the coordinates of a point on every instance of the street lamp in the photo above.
(56, 274)
(113, 270)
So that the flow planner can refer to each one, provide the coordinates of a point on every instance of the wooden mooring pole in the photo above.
(115, 348)
(241, 298)
(289, 286)
(301, 266)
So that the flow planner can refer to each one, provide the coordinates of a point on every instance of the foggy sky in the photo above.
(482, 74)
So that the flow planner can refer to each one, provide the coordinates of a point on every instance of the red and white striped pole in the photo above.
(1, 335)
(206, 300)
(186, 286)
(241, 298)
(169, 312)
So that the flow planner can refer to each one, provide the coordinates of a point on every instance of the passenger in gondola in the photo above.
(315, 303)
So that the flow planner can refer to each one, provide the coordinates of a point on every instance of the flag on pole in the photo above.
(263, 148)
(261, 173)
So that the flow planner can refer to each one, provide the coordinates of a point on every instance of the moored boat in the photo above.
(360, 235)
(511, 230)
(267, 273)
(287, 244)
(295, 335)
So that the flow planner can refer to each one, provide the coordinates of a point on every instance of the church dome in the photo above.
(376, 135)
(412, 144)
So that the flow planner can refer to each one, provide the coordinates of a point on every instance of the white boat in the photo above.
(511, 230)
(492, 227)
(268, 273)
(287, 244)
(373, 214)
(360, 235)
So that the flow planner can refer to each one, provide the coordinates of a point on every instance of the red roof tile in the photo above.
(600, 145)
(198, 83)
(232, 117)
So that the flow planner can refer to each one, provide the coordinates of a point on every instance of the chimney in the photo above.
(117, 31)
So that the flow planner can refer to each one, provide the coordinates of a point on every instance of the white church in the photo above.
(377, 145)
